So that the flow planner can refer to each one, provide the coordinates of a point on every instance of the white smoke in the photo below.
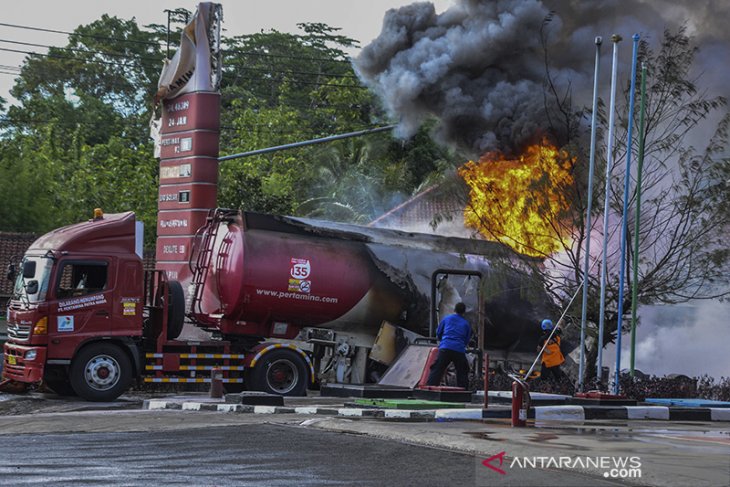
(689, 339)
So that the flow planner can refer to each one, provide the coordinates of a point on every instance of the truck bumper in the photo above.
(16, 367)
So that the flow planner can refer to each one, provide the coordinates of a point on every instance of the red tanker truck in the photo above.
(283, 300)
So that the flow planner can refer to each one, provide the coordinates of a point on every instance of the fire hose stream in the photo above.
(562, 316)
(555, 328)
(520, 388)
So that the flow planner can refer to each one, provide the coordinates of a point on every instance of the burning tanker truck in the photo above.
(310, 279)
(285, 300)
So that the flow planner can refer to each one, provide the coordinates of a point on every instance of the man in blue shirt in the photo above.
(454, 333)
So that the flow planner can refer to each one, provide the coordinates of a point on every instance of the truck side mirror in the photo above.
(11, 272)
(31, 287)
(28, 269)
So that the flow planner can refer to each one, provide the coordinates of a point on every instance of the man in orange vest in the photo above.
(552, 357)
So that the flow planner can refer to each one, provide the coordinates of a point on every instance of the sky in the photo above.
(361, 20)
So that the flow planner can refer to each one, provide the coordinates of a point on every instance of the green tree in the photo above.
(81, 120)
(79, 132)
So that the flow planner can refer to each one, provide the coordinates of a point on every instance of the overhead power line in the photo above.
(315, 83)
(56, 56)
(160, 44)
(303, 73)
(133, 58)
(92, 36)
(285, 56)
(85, 51)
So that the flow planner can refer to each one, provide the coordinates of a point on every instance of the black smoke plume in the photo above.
(476, 67)
(480, 66)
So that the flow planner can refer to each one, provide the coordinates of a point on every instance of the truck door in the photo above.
(127, 305)
(83, 304)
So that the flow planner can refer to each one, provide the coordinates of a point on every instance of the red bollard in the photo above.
(520, 403)
(216, 383)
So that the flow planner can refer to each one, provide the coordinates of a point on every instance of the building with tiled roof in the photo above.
(438, 209)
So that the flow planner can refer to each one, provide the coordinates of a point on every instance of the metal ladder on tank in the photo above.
(202, 265)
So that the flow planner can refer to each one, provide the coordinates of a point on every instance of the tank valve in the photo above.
(342, 367)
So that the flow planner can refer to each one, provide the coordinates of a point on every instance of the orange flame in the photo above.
(522, 201)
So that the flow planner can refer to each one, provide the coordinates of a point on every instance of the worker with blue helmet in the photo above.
(552, 356)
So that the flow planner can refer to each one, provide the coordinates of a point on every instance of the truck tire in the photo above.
(281, 371)
(101, 372)
(175, 309)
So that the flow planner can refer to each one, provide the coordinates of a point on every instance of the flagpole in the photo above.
(639, 168)
(624, 223)
(589, 209)
(609, 163)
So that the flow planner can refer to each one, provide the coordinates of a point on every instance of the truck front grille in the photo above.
(18, 332)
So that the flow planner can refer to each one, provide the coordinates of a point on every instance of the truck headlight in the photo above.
(30, 355)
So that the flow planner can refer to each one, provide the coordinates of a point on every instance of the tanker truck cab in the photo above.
(75, 319)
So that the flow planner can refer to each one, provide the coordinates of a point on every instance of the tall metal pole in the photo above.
(588, 227)
(305, 143)
(639, 168)
(609, 163)
(624, 223)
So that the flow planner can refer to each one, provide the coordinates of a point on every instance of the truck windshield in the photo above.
(43, 266)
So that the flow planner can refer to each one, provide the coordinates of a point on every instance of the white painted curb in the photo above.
(720, 414)
(458, 414)
(306, 410)
(559, 413)
(153, 404)
(647, 412)
(349, 412)
(229, 408)
(398, 413)
(264, 409)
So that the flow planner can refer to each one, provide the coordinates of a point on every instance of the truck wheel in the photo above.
(175, 309)
(282, 372)
(101, 372)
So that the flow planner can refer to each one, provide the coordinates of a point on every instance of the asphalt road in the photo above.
(181, 449)
(48, 440)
